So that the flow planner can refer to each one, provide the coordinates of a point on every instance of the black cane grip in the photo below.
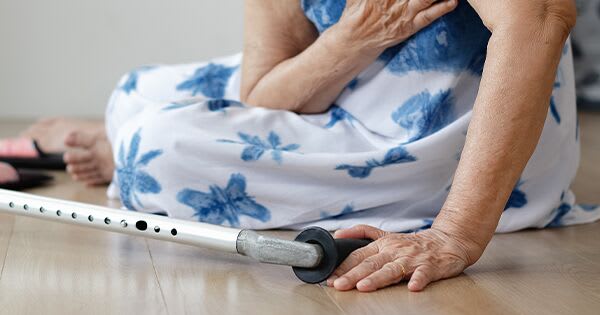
(345, 246)
(335, 251)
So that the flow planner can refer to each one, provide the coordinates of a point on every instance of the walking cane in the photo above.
(314, 254)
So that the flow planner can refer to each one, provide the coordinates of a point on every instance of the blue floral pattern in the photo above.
(323, 13)
(209, 80)
(425, 114)
(589, 207)
(349, 208)
(213, 105)
(396, 155)
(454, 42)
(256, 147)
(517, 199)
(132, 179)
(560, 213)
(553, 107)
(132, 79)
(352, 85)
(338, 114)
(220, 205)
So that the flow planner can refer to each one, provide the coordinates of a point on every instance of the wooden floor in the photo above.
(51, 268)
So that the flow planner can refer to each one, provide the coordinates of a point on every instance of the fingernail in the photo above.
(331, 280)
(365, 283)
(413, 286)
(341, 282)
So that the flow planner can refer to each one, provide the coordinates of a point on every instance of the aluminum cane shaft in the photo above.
(262, 248)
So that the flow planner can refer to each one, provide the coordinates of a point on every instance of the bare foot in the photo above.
(89, 157)
(51, 133)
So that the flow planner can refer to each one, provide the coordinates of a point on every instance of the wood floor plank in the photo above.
(553, 271)
(53, 268)
(200, 281)
(6, 228)
(532, 272)
(587, 181)
(7, 221)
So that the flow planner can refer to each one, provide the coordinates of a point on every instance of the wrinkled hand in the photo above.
(422, 257)
(385, 23)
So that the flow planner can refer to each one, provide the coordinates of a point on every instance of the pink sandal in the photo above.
(25, 153)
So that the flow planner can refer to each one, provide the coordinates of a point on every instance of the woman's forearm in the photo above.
(311, 81)
(300, 71)
(508, 118)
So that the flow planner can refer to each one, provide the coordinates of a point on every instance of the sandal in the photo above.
(26, 153)
(13, 179)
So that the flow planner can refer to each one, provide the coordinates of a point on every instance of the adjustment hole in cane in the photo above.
(141, 225)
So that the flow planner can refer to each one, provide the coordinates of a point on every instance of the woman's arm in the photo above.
(508, 117)
(288, 66)
(509, 113)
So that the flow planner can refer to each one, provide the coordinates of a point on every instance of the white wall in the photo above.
(63, 57)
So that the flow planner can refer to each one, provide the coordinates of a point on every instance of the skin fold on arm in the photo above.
(508, 117)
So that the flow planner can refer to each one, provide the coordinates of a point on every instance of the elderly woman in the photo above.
(444, 120)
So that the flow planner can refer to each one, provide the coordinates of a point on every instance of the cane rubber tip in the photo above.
(335, 252)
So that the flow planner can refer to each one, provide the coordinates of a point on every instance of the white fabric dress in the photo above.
(384, 154)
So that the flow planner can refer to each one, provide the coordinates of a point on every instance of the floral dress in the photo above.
(384, 154)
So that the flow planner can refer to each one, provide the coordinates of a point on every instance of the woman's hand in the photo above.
(422, 257)
(281, 46)
(379, 24)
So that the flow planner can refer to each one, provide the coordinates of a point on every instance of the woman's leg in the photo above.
(50, 133)
(89, 156)
(89, 153)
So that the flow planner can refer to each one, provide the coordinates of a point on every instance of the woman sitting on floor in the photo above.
(448, 119)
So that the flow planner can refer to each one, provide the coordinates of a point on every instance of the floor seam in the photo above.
(162, 294)
(12, 228)
(332, 299)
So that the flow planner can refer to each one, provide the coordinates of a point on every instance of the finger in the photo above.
(355, 258)
(391, 273)
(360, 231)
(419, 5)
(422, 276)
(425, 17)
(368, 266)
(331, 280)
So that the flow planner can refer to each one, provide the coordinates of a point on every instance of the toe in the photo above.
(92, 178)
(79, 168)
(85, 176)
(79, 139)
(78, 156)
(97, 181)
